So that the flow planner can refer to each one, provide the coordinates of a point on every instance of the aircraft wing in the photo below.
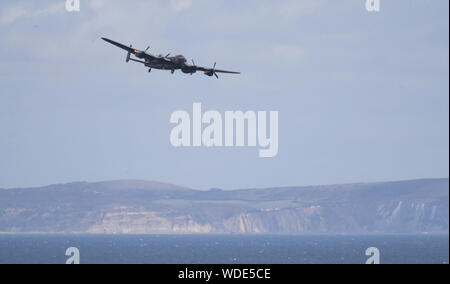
(206, 69)
(127, 48)
(139, 53)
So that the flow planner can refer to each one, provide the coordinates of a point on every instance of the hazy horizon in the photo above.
(227, 189)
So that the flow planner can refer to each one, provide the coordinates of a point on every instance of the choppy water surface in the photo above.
(223, 249)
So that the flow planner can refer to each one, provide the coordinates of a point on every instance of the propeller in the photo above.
(214, 71)
(147, 48)
(195, 67)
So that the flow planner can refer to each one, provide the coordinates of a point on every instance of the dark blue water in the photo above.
(220, 249)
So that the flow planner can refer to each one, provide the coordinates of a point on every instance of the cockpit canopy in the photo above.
(181, 58)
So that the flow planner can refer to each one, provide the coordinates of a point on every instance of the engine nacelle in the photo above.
(188, 70)
(209, 73)
(140, 55)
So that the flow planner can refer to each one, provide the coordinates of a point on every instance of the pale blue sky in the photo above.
(362, 96)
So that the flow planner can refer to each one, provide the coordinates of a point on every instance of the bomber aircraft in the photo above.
(167, 62)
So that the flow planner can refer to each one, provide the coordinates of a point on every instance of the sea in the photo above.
(224, 249)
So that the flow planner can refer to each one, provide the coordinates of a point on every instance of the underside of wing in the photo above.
(127, 48)
(206, 69)
(225, 71)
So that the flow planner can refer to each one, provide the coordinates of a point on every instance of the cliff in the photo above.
(139, 207)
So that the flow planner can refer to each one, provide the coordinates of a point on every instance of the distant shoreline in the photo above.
(152, 208)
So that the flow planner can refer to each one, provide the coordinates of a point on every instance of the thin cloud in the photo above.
(97, 4)
(12, 14)
(180, 5)
(21, 11)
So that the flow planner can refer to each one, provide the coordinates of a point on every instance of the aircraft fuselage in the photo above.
(173, 63)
